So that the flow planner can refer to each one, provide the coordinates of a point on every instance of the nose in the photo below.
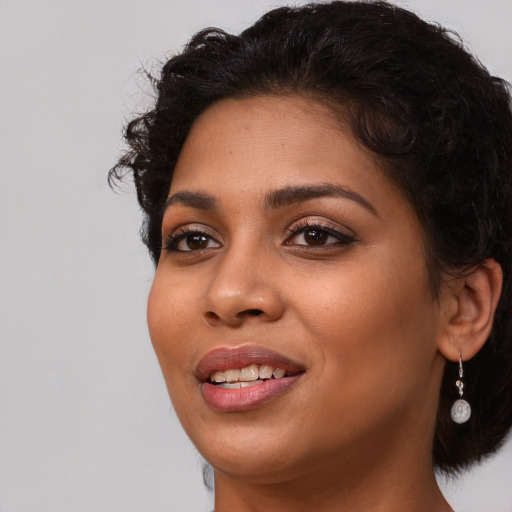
(243, 287)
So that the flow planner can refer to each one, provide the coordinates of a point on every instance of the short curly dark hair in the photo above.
(438, 122)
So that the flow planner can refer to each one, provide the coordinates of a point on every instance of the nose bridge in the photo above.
(242, 286)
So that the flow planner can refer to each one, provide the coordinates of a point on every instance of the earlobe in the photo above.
(470, 301)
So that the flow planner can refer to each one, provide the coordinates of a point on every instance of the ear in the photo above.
(468, 304)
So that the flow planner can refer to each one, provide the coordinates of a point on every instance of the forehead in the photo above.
(268, 141)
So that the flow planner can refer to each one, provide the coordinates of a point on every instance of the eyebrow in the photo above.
(274, 199)
(295, 194)
(199, 200)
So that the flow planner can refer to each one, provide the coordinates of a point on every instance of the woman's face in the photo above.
(288, 251)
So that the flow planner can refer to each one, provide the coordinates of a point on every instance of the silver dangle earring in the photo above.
(461, 410)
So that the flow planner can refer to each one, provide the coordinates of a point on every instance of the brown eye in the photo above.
(196, 242)
(318, 236)
(190, 241)
(315, 237)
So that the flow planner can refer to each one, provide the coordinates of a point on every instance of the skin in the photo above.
(355, 432)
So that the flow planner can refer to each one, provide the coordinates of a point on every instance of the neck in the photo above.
(322, 494)
(380, 481)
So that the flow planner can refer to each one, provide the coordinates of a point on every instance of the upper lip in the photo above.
(225, 358)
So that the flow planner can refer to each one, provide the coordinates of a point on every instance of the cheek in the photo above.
(374, 337)
(172, 332)
(378, 321)
(169, 309)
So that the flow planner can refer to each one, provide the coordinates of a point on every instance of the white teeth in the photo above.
(218, 376)
(252, 383)
(279, 373)
(252, 374)
(238, 385)
(232, 375)
(266, 371)
(249, 373)
(230, 385)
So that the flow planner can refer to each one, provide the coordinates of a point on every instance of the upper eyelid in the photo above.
(304, 223)
(336, 234)
(174, 235)
(187, 227)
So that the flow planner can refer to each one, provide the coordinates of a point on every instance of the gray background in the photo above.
(85, 422)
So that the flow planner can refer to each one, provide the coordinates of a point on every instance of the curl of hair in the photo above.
(438, 122)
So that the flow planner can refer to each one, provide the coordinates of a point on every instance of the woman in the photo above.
(327, 201)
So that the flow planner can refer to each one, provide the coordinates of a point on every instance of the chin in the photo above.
(239, 448)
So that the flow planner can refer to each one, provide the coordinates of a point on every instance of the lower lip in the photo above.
(242, 399)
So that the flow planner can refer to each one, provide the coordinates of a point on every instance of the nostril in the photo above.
(252, 312)
(212, 316)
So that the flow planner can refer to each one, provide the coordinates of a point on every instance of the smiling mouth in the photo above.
(243, 377)
(248, 376)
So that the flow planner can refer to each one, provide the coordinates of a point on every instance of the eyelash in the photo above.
(308, 225)
(171, 243)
